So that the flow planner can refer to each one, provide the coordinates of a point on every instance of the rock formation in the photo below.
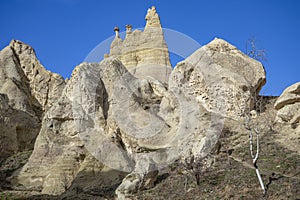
(80, 124)
(136, 126)
(288, 117)
(26, 90)
(59, 152)
(288, 105)
(45, 86)
(144, 53)
(18, 129)
(218, 76)
(113, 128)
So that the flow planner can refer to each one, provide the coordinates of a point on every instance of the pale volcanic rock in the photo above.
(115, 124)
(14, 83)
(135, 126)
(18, 129)
(104, 110)
(28, 89)
(20, 112)
(144, 53)
(288, 105)
(222, 78)
(59, 153)
(46, 86)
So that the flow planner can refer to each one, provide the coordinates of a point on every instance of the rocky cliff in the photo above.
(27, 90)
(109, 132)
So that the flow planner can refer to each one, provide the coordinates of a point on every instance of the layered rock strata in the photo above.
(144, 53)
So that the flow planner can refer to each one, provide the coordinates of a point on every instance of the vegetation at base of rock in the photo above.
(232, 177)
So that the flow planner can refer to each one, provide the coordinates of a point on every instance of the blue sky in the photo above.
(63, 32)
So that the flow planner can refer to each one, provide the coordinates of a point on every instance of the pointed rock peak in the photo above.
(152, 18)
(220, 45)
(218, 40)
(21, 47)
(44, 86)
(15, 42)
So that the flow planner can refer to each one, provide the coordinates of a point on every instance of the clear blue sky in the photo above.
(63, 32)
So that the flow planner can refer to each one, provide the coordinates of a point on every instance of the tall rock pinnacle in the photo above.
(144, 53)
(152, 18)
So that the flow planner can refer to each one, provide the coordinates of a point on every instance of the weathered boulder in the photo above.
(288, 105)
(222, 78)
(143, 177)
(144, 53)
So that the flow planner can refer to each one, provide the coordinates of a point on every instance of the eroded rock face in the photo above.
(121, 121)
(59, 154)
(288, 105)
(221, 78)
(110, 123)
(14, 83)
(26, 90)
(20, 112)
(44, 85)
(106, 128)
(18, 129)
(144, 53)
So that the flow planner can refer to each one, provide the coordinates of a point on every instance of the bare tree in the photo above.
(253, 51)
(193, 166)
(65, 180)
(255, 122)
(255, 127)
